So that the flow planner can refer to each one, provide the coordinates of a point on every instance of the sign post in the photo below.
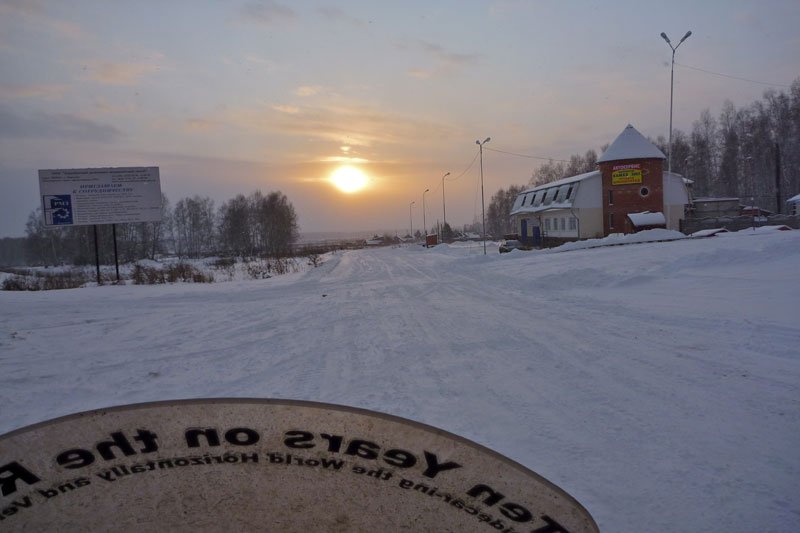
(92, 196)
(96, 254)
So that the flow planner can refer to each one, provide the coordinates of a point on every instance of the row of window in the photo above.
(548, 196)
(560, 224)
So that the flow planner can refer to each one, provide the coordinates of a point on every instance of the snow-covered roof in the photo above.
(557, 194)
(647, 219)
(564, 181)
(630, 144)
(708, 232)
(794, 199)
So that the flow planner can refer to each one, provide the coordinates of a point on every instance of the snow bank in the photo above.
(651, 235)
(657, 384)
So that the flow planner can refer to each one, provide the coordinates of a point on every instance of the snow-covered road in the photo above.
(659, 384)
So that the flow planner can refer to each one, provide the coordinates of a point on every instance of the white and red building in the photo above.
(628, 192)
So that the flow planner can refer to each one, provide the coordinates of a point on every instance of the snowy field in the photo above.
(658, 383)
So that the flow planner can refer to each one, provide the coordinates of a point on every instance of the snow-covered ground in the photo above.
(657, 383)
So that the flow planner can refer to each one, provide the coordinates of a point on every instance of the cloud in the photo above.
(201, 124)
(343, 159)
(253, 59)
(447, 62)
(417, 73)
(306, 90)
(33, 11)
(45, 92)
(267, 12)
(22, 7)
(286, 108)
(448, 58)
(109, 73)
(54, 126)
(110, 109)
(352, 126)
(747, 19)
(337, 14)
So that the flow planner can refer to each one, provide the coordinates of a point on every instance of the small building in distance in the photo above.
(794, 205)
(630, 180)
(715, 207)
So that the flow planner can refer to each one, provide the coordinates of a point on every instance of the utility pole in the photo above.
(411, 221)
(483, 203)
(778, 178)
(444, 209)
(424, 221)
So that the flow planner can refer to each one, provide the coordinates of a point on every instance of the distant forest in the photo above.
(244, 226)
(735, 155)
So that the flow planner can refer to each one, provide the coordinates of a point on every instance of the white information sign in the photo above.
(84, 196)
(267, 465)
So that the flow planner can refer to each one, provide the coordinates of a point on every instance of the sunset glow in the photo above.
(354, 109)
(349, 179)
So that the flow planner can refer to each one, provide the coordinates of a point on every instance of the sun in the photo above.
(349, 179)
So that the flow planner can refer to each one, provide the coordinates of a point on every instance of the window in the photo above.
(573, 223)
(611, 219)
(547, 223)
(563, 223)
(610, 197)
(569, 192)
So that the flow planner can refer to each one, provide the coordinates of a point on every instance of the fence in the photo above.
(692, 225)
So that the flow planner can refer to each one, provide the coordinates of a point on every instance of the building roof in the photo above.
(563, 181)
(647, 219)
(630, 144)
(557, 194)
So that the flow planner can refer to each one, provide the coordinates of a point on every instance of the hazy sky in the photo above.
(229, 97)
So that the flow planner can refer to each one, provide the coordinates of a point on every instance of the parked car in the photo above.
(510, 244)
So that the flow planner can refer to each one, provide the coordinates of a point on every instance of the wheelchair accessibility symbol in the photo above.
(57, 209)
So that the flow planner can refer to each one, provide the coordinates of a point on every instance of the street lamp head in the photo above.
(446, 175)
(477, 142)
(487, 140)
(426, 190)
(664, 36)
(688, 33)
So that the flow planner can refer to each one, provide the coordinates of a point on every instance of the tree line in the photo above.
(244, 226)
(736, 155)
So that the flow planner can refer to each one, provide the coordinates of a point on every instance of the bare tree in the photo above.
(498, 217)
(276, 221)
(193, 226)
(235, 222)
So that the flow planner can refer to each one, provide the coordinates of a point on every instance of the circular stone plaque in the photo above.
(268, 465)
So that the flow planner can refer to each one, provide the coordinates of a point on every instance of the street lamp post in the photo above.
(424, 221)
(411, 221)
(444, 209)
(671, 85)
(483, 206)
(752, 183)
